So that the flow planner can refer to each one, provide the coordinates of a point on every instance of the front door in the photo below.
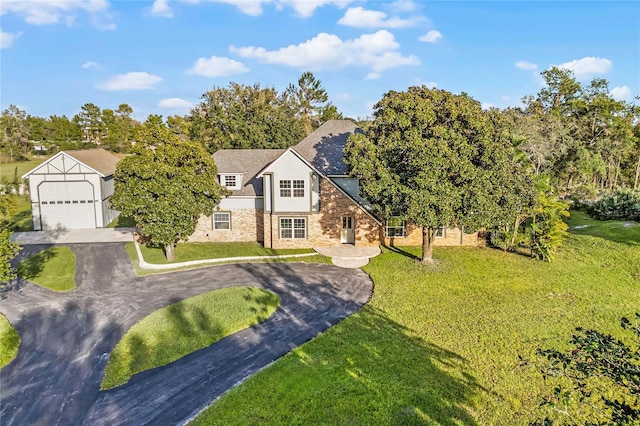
(348, 235)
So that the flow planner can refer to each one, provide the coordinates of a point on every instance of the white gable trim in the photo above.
(301, 158)
(60, 154)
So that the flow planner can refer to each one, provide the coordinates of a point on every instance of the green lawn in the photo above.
(9, 341)
(54, 268)
(8, 169)
(18, 217)
(622, 231)
(197, 251)
(441, 345)
(122, 222)
(184, 327)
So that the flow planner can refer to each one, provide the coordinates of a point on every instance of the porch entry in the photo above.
(348, 234)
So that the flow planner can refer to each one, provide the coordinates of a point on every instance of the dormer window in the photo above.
(230, 181)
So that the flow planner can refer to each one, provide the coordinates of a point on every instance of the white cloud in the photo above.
(328, 52)
(91, 64)
(175, 103)
(131, 81)
(161, 8)
(524, 65)
(361, 18)
(248, 7)
(621, 93)
(588, 66)
(217, 66)
(7, 39)
(431, 37)
(403, 6)
(48, 12)
(431, 84)
(306, 8)
(487, 105)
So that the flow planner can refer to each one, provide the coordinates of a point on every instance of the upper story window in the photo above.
(230, 181)
(298, 188)
(292, 187)
(285, 188)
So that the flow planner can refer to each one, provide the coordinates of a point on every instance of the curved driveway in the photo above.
(66, 337)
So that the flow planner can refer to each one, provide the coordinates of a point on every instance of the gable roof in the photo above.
(99, 160)
(324, 147)
(247, 162)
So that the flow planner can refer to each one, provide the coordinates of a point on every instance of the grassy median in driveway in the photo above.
(451, 344)
(9, 341)
(184, 327)
(54, 268)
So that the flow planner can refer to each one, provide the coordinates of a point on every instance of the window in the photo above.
(441, 232)
(293, 228)
(298, 188)
(230, 181)
(396, 227)
(285, 188)
(222, 221)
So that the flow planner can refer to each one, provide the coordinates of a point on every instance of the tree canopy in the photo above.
(165, 185)
(8, 250)
(436, 159)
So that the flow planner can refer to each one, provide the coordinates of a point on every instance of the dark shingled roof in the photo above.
(324, 147)
(248, 162)
(98, 159)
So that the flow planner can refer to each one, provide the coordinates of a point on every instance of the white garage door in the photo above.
(67, 205)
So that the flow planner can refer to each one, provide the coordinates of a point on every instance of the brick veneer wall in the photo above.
(246, 225)
(451, 238)
(324, 228)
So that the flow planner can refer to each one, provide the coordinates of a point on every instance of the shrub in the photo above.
(623, 204)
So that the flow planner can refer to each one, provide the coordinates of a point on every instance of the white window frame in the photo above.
(297, 186)
(228, 221)
(441, 232)
(230, 181)
(402, 228)
(285, 188)
(293, 228)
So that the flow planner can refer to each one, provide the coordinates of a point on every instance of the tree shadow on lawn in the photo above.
(380, 371)
(35, 257)
(402, 252)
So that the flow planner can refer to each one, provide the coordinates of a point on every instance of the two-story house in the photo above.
(303, 197)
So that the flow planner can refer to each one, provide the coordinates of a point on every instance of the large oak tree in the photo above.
(436, 159)
(165, 185)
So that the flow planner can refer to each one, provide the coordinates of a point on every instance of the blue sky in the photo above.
(161, 56)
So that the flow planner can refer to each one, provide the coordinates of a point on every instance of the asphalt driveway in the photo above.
(67, 337)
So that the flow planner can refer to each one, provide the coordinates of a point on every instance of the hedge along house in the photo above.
(71, 190)
(303, 197)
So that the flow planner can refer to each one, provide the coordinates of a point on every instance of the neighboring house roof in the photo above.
(100, 161)
(247, 162)
(324, 147)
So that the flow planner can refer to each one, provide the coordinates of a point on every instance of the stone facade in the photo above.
(324, 228)
(246, 225)
(452, 237)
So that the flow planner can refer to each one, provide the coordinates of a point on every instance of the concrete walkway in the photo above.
(348, 255)
(66, 337)
(75, 236)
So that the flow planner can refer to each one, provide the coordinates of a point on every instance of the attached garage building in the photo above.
(71, 190)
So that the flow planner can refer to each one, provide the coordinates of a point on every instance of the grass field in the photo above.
(9, 341)
(18, 217)
(446, 344)
(54, 268)
(184, 327)
(8, 169)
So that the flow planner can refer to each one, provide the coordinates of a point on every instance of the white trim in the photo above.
(56, 156)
